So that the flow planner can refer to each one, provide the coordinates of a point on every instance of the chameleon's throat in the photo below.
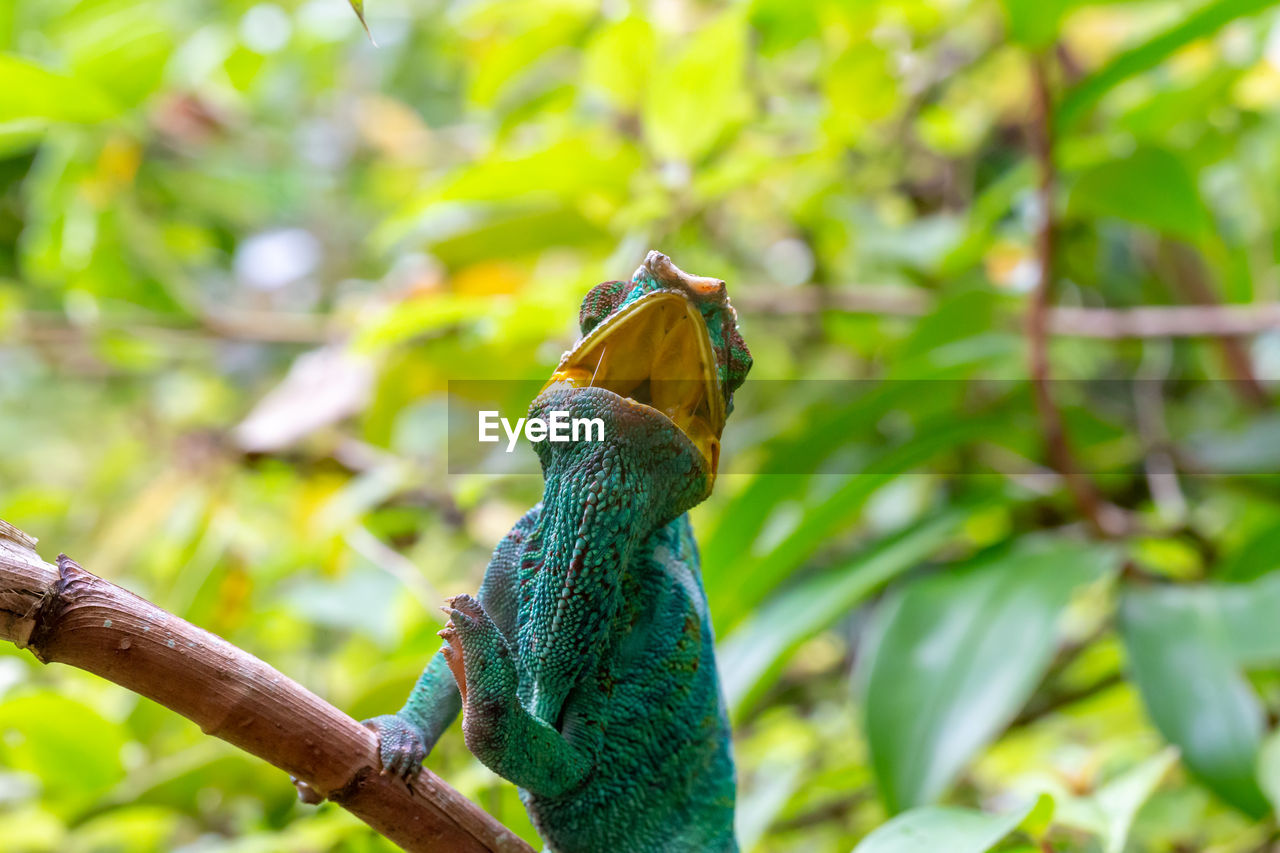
(645, 473)
(603, 500)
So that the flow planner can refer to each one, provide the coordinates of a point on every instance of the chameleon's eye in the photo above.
(600, 302)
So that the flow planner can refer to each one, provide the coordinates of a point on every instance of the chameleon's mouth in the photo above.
(655, 352)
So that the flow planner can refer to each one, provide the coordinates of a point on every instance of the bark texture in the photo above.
(66, 615)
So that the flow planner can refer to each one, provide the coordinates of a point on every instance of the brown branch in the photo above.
(1061, 457)
(838, 809)
(268, 327)
(64, 614)
(1166, 321)
(1147, 321)
(855, 299)
(1188, 275)
(1053, 704)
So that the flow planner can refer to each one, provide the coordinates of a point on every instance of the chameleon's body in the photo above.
(586, 671)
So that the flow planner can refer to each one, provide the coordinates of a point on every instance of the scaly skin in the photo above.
(585, 667)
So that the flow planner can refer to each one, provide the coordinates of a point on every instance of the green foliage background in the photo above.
(242, 251)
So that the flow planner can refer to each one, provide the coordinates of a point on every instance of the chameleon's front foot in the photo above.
(400, 745)
(480, 660)
(497, 728)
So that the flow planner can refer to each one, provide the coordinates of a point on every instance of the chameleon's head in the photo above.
(665, 341)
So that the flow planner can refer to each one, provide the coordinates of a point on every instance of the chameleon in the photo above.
(584, 668)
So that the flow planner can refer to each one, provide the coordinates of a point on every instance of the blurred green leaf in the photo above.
(31, 91)
(1258, 556)
(1034, 23)
(1150, 187)
(1120, 799)
(567, 170)
(122, 48)
(515, 233)
(953, 657)
(1186, 647)
(930, 829)
(927, 385)
(31, 830)
(1269, 769)
(1110, 811)
(1202, 22)
(753, 652)
(137, 829)
(839, 507)
(698, 95)
(68, 745)
(619, 60)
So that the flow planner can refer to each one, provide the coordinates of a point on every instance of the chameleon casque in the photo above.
(585, 668)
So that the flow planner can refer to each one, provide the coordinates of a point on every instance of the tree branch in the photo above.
(1147, 321)
(1232, 320)
(1166, 321)
(65, 614)
(1061, 457)
(1187, 274)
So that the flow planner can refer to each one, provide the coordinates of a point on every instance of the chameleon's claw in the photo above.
(468, 605)
(452, 652)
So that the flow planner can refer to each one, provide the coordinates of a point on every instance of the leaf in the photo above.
(619, 59)
(932, 828)
(1200, 23)
(1248, 614)
(822, 519)
(568, 169)
(1269, 769)
(1254, 448)
(31, 91)
(1187, 647)
(757, 648)
(31, 830)
(509, 233)
(1120, 799)
(1034, 23)
(68, 745)
(1258, 556)
(138, 829)
(358, 7)
(927, 383)
(1109, 812)
(1150, 187)
(953, 657)
(695, 98)
(761, 803)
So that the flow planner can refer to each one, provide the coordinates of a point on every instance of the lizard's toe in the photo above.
(467, 604)
(460, 620)
(453, 656)
(400, 747)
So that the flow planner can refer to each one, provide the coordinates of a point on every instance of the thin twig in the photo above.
(1159, 463)
(1061, 457)
(1166, 321)
(1055, 703)
(1146, 321)
(1186, 273)
(271, 327)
